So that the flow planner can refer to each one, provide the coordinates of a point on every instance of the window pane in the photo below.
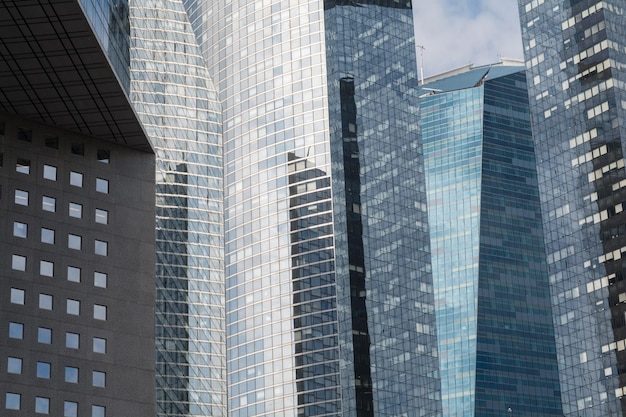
(17, 296)
(45, 301)
(71, 374)
(99, 312)
(25, 134)
(73, 274)
(14, 365)
(104, 155)
(50, 172)
(22, 166)
(100, 279)
(51, 142)
(99, 345)
(43, 370)
(21, 197)
(71, 340)
(73, 307)
(46, 268)
(18, 263)
(101, 248)
(70, 409)
(42, 405)
(47, 236)
(76, 179)
(44, 335)
(99, 379)
(74, 242)
(16, 330)
(12, 401)
(102, 216)
(78, 149)
(76, 210)
(48, 204)
(102, 185)
(20, 229)
(98, 411)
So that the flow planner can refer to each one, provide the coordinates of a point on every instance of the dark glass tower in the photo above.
(329, 305)
(492, 296)
(575, 58)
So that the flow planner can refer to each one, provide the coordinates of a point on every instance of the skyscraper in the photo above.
(328, 286)
(492, 296)
(575, 58)
(76, 191)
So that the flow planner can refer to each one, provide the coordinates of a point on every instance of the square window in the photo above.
(24, 134)
(98, 411)
(45, 301)
(14, 365)
(50, 172)
(73, 274)
(102, 185)
(72, 340)
(20, 229)
(99, 312)
(21, 197)
(44, 335)
(70, 409)
(51, 142)
(104, 156)
(18, 262)
(100, 279)
(12, 401)
(76, 179)
(102, 216)
(98, 379)
(48, 204)
(42, 405)
(22, 166)
(101, 248)
(99, 345)
(73, 307)
(16, 330)
(74, 241)
(43, 370)
(17, 296)
(71, 374)
(47, 236)
(78, 149)
(76, 210)
(46, 268)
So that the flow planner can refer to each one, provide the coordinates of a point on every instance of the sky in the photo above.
(455, 33)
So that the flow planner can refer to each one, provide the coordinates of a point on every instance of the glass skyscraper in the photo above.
(574, 53)
(329, 304)
(492, 297)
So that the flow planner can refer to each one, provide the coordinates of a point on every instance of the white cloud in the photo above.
(458, 32)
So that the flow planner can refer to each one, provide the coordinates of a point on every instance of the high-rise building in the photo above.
(492, 296)
(329, 304)
(575, 57)
(76, 191)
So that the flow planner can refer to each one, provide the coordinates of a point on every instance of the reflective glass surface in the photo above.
(574, 53)
(178, 106)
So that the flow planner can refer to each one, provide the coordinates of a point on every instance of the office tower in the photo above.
(492, 295)
(329, 305)
(76, 191)
(574, 54)
(177, 103)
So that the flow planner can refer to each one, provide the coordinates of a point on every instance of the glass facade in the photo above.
(109, 21)
(492, 296)
(574, 54)
(178, 105)
(328, 287)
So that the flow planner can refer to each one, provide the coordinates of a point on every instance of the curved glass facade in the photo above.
(178, 105)
(575, 58)
(328, 287)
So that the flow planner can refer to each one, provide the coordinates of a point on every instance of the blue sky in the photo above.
(458, 32)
